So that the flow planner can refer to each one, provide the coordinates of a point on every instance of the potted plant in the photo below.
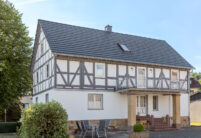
(138, 132)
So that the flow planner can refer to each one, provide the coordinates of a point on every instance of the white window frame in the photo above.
(156, 102)
(94, 100)
(177, 71)
(145, 85)
(102, 75)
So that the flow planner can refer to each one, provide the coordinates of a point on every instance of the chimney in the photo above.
(108, 28)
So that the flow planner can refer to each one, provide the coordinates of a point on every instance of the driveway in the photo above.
(193, 132)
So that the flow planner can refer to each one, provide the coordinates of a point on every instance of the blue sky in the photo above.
(176, 21)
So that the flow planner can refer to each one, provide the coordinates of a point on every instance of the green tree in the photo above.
(197, 75)
(15, 55)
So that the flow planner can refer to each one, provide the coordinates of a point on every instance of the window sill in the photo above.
(95, 109)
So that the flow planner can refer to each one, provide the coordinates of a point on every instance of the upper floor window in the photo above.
(141, 77)
(95, 101)
(42, 49)
(47, 70)
(100, 70)
(175, 75)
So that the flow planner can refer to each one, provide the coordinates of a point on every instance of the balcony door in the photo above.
(141, 77)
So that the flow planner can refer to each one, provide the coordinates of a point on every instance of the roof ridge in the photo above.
(102, 30)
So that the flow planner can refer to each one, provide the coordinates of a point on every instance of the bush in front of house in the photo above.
(138, 127)
(44, 121)
(9, 127)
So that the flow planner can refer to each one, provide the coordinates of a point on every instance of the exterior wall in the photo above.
(26, 99)
(166, 107)
(40, 66)
(84, 75)
(76, 104)
(115, 105)
(195, 111)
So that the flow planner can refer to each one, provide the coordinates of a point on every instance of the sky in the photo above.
(176, 21)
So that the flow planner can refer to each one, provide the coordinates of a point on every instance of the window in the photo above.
(46, 98)
(36, 99)
(26, 105)
(100, 70)
(141, 77)
(155, 103)
(37, 77)
(42, 49)
(95, 101)
(175, 76)
(124, 47)
(47, 70)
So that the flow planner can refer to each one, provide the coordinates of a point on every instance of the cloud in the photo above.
(198, 57)
(20, 3)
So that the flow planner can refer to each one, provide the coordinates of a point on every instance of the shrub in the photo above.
(138, 127)
(44, 121)
(8, 127)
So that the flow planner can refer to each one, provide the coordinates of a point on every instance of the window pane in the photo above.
(99, 70)
(95, 101)
(174, 76)
(155, 102)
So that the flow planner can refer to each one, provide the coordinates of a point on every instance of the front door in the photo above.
(141, 105)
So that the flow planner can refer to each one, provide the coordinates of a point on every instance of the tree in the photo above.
(196, 75)
(15, 55)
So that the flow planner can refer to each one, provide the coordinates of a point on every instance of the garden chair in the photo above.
(79, 128)
(85, 127)
(101, 131)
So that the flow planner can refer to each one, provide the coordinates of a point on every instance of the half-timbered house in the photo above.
(100, 74)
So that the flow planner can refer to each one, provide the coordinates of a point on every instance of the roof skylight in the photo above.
(124, 47)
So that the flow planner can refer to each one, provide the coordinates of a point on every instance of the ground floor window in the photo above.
(95, 101)
(46, 98)
(155, 103)
(36, 99)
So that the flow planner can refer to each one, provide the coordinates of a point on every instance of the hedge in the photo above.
(8, 127)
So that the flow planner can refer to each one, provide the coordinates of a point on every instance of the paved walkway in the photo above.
(193, 132)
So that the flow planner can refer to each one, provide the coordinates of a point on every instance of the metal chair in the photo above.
(103, 128)
(85, 127)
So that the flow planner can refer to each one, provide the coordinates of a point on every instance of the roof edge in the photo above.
(145, 63)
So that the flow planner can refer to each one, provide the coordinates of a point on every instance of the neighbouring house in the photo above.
(194, 85)
(100, 74)
(195, 101)
(26, 101)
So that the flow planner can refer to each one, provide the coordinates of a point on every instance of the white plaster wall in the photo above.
(76, 104)
(184, 104)
(164, 104)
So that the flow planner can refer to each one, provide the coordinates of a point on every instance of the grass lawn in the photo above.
(8, 135)
(195, 123)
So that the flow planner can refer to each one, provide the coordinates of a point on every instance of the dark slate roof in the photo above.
(194, 83)
(85, 42)
(195, 97)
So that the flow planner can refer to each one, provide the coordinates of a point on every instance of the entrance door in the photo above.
(141, 105)
(141, 77)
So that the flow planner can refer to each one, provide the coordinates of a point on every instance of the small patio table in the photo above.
(93, 127)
